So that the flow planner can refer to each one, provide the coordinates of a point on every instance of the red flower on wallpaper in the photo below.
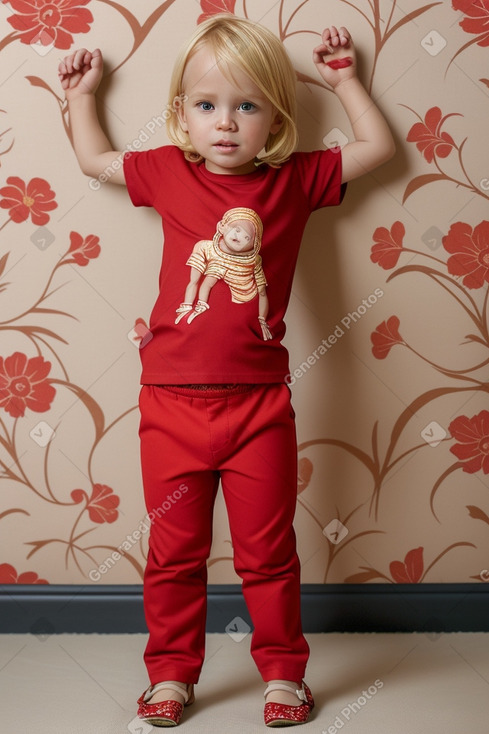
(470, 248)
(23, 200)
(388, 245)
(385, 336)
(24, 384)
(50, 22)
(8, 575)
(411, 571)
(477, 20)
(429, 139)
(473, 436)
(82, 250)
(101, 506)
(212, 7)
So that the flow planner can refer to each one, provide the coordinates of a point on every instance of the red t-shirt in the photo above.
(224, 343)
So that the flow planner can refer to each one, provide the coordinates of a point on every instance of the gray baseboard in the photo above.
(431, 608)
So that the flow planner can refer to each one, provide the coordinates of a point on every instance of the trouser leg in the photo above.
(179, 491)
(259, 481)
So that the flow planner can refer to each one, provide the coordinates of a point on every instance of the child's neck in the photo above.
(243, 170)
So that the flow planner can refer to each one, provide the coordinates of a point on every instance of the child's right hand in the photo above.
(81, 72)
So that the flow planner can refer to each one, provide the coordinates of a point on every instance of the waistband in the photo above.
(209, 391)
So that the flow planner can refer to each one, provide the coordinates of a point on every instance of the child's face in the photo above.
(237, 236)
(228, 125)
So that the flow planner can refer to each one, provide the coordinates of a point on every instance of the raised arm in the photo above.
(335, 60)
(80, 74)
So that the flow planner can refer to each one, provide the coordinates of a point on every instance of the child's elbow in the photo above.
(87, 166)
(86, 170)
(389, 150)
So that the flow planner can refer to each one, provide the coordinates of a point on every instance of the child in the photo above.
(214, 402)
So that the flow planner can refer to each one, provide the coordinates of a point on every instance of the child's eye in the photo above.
(206, 106)
(247, 107)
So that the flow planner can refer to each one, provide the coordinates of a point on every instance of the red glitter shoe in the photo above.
(280, 714)
(164, 713)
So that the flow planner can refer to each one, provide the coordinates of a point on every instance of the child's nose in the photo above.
(226, 120)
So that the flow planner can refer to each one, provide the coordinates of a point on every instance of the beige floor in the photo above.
(368, 683)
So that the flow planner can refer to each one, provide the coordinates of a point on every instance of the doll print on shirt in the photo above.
(231, 256)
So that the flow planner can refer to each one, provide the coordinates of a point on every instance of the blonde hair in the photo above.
(259, 54)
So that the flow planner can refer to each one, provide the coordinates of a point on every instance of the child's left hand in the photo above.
(335, 58)
(265, 329)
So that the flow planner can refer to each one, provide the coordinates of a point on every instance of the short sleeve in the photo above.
(320, 172)
(198, 258)
(144, 172)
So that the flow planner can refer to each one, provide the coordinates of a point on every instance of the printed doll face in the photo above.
(228, 125)
(237, 236)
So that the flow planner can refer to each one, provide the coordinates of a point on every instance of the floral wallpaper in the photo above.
(388, 324)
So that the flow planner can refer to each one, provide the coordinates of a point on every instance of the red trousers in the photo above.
(190, 440)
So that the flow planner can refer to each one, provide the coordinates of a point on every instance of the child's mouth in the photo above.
(225, 146)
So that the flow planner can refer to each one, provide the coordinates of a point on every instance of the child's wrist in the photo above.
(80, 98)
(343, 82)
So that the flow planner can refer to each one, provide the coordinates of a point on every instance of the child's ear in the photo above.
(277, 123)
(178, 106)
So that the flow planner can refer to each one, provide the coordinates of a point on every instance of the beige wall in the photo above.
(367, 421)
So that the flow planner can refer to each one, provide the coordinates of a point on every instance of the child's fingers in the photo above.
(326, 38)
(65, 80)
(320, 51)
(96, 55)
(334, 38)
(344, 36)
(71, 80)
(79, 58)
(71, 62)
(68, 64)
